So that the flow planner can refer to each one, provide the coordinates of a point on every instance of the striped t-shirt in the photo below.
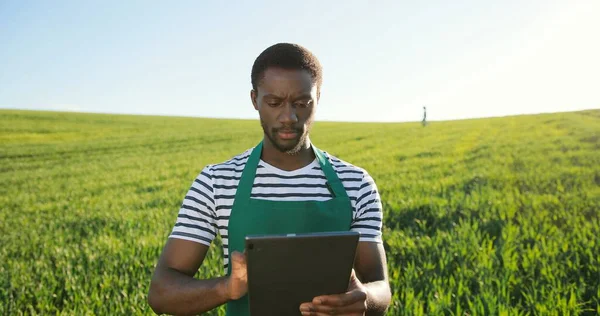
(206, 207)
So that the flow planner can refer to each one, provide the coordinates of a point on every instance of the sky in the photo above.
(382, 60)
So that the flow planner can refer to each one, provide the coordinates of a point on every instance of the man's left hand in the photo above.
(353, 302)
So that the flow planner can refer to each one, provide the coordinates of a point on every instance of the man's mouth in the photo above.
(287, 134)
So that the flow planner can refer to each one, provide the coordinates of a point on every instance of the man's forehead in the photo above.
(278, 76)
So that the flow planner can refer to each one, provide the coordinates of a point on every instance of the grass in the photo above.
(494, 216)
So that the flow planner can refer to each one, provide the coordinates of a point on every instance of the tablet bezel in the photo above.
(336, 252)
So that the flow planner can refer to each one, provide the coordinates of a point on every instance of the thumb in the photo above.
(238, 256)
(354, 281)
(353, 275)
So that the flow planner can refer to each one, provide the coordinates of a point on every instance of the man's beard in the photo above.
(291, 149)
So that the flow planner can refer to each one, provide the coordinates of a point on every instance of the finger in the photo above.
(357, 308)
(318, 314)
(347, 298)
(311, 309)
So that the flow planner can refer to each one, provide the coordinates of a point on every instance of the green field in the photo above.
(481, 217)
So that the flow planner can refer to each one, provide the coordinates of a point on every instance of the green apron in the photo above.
(254, 216)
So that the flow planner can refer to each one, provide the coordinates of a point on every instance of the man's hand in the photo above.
(237, 282)
(351, 303)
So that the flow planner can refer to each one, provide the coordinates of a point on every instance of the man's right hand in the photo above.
(237, 282)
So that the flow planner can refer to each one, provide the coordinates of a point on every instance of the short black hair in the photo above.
(286, 56)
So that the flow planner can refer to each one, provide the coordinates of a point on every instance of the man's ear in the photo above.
(253, 96)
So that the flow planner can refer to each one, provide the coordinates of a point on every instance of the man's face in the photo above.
(286, 101)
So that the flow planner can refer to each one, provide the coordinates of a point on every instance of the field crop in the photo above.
(495, 216)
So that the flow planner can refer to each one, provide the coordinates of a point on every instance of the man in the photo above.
(278, 186)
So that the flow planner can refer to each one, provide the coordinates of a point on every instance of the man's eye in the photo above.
(273, 104)
(302, 104)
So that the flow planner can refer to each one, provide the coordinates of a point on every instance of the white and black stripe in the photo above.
(207, 206)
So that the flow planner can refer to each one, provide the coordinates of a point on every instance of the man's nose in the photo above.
(288, 114)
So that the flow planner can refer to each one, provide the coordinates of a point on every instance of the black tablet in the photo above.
(285, 271)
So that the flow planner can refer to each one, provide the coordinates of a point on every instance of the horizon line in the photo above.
(250, 119)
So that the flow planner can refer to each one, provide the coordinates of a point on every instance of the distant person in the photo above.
(283, 171)
(424, 116)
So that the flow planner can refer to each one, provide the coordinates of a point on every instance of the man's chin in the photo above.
(291, 146)
(287, 148)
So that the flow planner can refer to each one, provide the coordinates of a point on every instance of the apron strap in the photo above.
(245, 186)
(332, 179)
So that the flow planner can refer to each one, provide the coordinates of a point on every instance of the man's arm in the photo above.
(371, 268)
(369, 291)
(371, 263)
(174, 290)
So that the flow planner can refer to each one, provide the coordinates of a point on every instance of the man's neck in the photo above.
(284, 161)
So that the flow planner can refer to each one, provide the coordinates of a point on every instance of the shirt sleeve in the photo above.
(368, 211)
(197, 218)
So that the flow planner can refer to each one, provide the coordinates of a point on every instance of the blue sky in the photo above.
(383, 60)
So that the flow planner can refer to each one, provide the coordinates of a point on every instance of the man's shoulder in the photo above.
(226, 168)
(344, 167)
(235, 162)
